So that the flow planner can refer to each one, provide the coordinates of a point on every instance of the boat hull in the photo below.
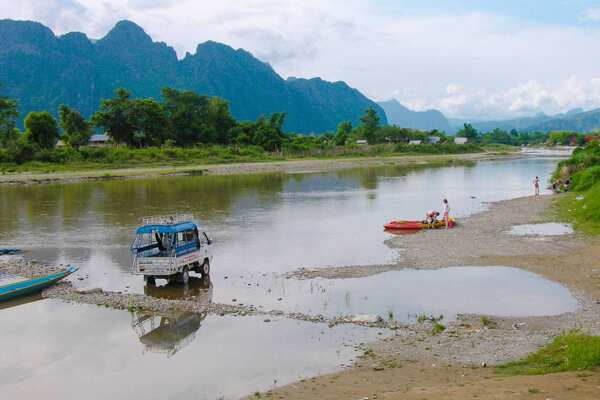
(30, 286)
(417, 225)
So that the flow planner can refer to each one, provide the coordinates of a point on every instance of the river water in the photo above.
(262, 225)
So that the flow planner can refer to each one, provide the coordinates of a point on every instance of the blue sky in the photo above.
(475, 59)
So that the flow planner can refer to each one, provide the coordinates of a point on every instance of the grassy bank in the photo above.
(581, 207)
(65, 160)
(568, 352)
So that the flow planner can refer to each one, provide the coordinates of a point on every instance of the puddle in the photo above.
(54, 350)
(499, 291)
(549, 229)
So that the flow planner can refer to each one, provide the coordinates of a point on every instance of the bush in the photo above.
(583, 180)
(24, 151)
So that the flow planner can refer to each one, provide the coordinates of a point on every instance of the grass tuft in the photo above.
(571, 351)
(488, 322)
(437, 328)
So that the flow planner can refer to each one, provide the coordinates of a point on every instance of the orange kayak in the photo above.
(414, 225)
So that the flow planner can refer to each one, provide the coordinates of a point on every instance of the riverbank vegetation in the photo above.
(571, 351)
(185, 127)
(582, 206)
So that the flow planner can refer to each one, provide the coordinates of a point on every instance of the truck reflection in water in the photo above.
(170, 331)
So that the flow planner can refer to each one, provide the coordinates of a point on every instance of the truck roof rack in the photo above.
(167, 219)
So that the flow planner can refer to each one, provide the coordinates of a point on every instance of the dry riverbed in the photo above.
(292, 166)
(413, 362)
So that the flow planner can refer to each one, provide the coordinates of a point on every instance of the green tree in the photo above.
(498, 136)
(469, 132)
(41, 129)
(243, 133)
(370, 125)
(8, 115)
(269, 132)
(344, 129)
(150, 122)
(220, 120)
(76, 130)
(115, 117)
(187, 113)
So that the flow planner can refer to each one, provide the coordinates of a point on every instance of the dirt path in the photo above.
(425, 381)
(293, 166)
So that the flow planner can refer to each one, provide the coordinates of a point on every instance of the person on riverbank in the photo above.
(536, 185)
(446, 213)
(431, 218)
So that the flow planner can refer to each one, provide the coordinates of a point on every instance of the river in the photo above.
(263, 225)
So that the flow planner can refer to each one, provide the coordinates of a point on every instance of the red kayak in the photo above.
(415, 225)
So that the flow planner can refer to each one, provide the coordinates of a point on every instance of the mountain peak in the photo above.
(402, 116)
(212, 48)
(129, 31)
(393, 103)
(30, 34)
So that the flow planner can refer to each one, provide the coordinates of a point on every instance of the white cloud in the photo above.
(521, 100)
(592, 14)
(470, 64)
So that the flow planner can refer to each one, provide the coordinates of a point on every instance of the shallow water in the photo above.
(67, 351)
(548, 229)
(499, 291)
(262, 223)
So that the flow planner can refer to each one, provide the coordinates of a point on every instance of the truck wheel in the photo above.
(205, 268)
(185, 276)
(150, 280)
(196, 267)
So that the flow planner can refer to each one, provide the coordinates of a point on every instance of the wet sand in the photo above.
(292, 166)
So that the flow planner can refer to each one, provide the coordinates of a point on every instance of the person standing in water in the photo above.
(446, 212)
(536, 185)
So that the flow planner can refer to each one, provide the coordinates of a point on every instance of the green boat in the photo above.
(34, 285)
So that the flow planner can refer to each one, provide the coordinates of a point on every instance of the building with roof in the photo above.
(99, 140)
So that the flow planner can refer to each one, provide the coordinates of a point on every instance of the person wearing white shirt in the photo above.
(446, 212)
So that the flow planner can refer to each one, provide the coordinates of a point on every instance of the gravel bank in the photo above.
(293, 166)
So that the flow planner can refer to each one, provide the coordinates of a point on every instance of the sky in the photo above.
(469, 59)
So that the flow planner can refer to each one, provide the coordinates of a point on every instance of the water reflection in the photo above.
(200, 289)
(215, 357)
(499, 291)
(166, 332)
(262, 222)
(20, 301)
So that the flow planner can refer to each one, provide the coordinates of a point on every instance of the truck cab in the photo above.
(170, 247)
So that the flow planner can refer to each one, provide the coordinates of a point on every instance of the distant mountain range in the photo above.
(42, 71)
(398, 114)
(573, 120)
